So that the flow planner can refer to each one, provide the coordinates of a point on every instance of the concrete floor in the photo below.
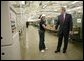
(31, 50)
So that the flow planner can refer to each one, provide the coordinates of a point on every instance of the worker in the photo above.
(42, 27)
(65, 22)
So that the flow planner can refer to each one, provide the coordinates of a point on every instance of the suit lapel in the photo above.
(65, 17)
(61, 19)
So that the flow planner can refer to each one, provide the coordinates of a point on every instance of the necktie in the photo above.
(63, 18)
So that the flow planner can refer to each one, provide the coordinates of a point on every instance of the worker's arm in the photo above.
(44, 25)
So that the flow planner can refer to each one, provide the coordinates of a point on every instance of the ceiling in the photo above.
(46, 7)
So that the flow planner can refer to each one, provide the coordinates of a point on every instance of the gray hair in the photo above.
(63, 8)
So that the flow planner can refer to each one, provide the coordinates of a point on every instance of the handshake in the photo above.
(54, 28)
(50, 27)
(71, 32)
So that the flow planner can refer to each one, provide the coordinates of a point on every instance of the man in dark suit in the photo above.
(65, 22)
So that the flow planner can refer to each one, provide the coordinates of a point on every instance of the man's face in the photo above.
(62, 10)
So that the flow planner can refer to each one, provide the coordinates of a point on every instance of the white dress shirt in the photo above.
(64, 15)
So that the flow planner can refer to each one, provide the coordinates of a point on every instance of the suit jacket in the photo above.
(67, 25)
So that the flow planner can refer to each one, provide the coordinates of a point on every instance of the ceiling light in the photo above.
(44, 6)
(75, 2)
(65, 6)
(22, 2)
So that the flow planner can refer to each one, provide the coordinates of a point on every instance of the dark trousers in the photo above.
(60, 38)
(41, 39)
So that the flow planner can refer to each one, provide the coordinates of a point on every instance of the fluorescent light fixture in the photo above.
(76, 8)
(75, 2)
(22, 2)
(55, 10)
(44, 6)
(68, 10)
(65, 6)
(79, 7)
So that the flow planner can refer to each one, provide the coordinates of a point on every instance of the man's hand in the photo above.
(54, 26)
(71, 32)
